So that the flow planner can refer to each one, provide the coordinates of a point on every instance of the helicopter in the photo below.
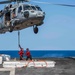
(20, 15)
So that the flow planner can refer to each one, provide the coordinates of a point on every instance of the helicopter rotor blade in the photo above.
(54, 4)
(19, 0)
(5, 2)
(9, 1)
(66, 5)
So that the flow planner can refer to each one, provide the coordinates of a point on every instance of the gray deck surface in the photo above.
(64, 66)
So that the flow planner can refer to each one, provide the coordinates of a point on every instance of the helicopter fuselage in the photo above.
(19, 16)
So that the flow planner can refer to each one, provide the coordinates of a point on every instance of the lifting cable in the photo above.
(18, 38)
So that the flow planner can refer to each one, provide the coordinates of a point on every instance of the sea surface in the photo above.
(41, 53)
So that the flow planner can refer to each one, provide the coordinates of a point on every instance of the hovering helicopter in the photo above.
(19, 16)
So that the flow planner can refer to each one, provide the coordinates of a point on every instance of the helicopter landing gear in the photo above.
(10, 28)
(35, 29)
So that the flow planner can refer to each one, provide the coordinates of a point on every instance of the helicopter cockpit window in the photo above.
(27, 7)
(19, 9)
(38, 8)
(33, 7)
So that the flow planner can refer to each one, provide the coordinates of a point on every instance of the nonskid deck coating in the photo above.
(64, 66)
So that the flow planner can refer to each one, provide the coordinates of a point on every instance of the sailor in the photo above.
(28, 54)
(21, 52)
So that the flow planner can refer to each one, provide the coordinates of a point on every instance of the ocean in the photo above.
(41, 53)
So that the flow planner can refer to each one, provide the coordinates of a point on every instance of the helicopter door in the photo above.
(19, 12)
(7, 18)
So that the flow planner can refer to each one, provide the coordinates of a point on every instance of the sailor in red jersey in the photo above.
(28, 54)
(21, 52)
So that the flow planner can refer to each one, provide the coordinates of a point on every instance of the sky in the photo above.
(57, 32)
